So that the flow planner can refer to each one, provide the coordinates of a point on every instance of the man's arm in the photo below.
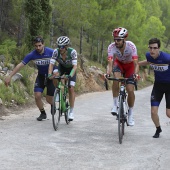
(73, 70)
(136, 66)
(16, 69)
(109, 67)
(143, 63)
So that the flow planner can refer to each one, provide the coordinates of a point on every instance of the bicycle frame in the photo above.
(63, 94)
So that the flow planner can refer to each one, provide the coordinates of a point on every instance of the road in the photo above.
(90, 142)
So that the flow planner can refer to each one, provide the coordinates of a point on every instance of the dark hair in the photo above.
(155, 40)
(38, 39)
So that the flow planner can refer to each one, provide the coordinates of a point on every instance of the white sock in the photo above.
(71, 110)
(130, 111)
(115, 101)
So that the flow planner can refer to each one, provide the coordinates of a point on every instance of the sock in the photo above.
(42, 111)
(130, 111)
(158, 129)
(71, 109)
(115, 101)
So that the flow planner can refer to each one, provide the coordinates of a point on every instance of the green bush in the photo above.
(13, 92)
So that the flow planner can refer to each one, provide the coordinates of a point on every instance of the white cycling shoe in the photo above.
(131, 121)
(114, 111)
(71, 116)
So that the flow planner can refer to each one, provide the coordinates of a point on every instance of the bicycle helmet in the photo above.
(120, 33)
(63, 40)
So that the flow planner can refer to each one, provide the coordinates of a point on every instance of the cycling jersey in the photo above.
(71, 58)
(129, 54)
(42, 61)
(161, 66)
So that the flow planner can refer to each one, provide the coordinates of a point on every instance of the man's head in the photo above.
(154, 46)
(63, 43)
(119, 34)
(38, 44)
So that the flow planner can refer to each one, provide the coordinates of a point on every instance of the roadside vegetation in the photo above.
(89, 25)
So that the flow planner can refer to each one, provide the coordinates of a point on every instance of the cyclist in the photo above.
(123, 60)
(160, 62)
(67, 64)
(41, 57)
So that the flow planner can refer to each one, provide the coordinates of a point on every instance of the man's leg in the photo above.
(168, 112)
(49, 99)
(40, 105)
(155, 119)
(115, 93)
(131, 101)
(71, 101)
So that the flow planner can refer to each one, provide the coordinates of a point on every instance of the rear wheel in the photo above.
(120, 120)
(56, 111)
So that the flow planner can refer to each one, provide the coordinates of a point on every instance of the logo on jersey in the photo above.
(159, 67)
(42, 62)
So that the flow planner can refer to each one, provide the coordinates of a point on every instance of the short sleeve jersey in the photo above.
(161, 66)
(41, 61)
(129, 54)
(71, 58)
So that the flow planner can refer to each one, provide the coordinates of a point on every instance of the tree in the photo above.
(38, 15)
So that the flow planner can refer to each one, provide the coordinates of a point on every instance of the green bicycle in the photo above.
(60, 102)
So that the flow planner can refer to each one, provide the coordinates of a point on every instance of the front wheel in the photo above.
(66, 113)
(56, 109)
(120, 120)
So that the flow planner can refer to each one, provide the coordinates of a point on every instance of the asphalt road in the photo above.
(90, 142)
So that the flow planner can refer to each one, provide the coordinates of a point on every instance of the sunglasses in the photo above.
(61, 46)
(38, 39)
(118, 40)
(154, 48)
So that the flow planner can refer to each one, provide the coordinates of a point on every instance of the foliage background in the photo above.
(88, 23)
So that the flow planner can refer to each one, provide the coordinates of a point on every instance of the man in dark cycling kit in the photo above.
(160, 62)
(66, 57)
(41, 57)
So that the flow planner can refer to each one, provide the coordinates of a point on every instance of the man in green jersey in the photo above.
(67, 64)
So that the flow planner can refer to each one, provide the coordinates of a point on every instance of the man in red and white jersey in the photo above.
(123, 60)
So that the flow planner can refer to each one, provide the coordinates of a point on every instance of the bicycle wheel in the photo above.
(66, 113)
(56, 109)
(120, 120)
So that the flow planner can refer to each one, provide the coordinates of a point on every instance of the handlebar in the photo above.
(122, 80)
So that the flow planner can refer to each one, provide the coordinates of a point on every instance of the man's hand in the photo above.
(7, 81)
(67, 76)
(136, 77)
(106, 76)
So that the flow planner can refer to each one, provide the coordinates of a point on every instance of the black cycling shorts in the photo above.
(64, 70)
(159, 89)
(41, 82)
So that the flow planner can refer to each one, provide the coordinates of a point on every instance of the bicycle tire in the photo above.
(56, 110)
(120, 120)
(66, 113)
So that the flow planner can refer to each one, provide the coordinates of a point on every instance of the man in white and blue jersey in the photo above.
(41, 57)
(160, 62)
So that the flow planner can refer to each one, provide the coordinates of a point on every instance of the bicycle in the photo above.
(60, 102)
(123, 107)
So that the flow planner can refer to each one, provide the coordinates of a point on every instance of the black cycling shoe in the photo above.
(114, 113)
(156, 135)
(41, 117)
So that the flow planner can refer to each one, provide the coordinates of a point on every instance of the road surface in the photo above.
(90, 142)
